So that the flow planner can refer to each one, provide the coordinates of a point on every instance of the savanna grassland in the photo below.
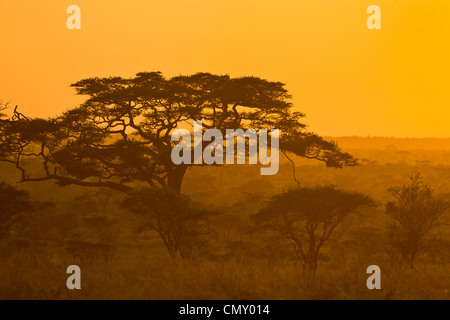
(121, 260)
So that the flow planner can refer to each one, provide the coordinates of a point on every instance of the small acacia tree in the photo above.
(415, 215)
(304, 218)
(13, 203)
(181, 223)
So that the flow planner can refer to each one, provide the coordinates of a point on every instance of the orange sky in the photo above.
(348, 80)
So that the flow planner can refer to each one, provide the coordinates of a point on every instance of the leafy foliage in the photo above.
(13, 203)
(415, 215)
(121, 133)
(304, 218)
(181, 223)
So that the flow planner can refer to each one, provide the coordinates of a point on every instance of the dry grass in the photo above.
(142, 275)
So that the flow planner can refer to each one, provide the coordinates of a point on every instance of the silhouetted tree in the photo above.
(415, 216)
(304, 219)
(3, 108)
(13, 203)
(181, 223)
(122, 132)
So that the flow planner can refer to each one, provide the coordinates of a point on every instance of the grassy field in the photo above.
(237, 263)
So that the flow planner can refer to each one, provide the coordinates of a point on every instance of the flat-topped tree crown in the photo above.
(122, 132)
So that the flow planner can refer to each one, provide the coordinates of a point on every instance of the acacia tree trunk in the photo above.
(175, 177)
(413, 254)
(310, 265)
(311, 253)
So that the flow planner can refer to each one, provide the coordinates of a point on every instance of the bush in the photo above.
(181, 223)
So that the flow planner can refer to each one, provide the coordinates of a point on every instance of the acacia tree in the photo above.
(122, 132)
(304, 219)
(13, 203)
(182, 224)
(415, 215)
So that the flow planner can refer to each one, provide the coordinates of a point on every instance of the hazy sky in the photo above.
(348, 80)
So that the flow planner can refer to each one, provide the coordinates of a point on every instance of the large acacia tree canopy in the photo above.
(121, 133)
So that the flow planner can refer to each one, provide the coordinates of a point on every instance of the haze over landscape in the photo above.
(348, 80)
(88, 177)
